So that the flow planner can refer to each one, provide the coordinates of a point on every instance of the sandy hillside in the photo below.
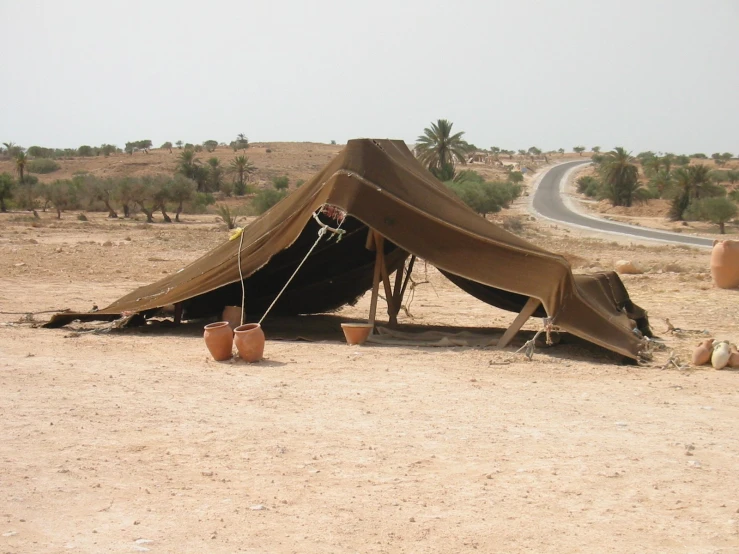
(135, 441)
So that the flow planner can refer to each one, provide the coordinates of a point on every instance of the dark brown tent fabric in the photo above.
(381, 185)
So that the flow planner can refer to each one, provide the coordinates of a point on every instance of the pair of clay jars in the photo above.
(720, 354)
(220, 339)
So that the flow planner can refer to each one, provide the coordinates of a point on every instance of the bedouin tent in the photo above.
(394, 208)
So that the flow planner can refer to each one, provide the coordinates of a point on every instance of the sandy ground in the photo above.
(136, 441)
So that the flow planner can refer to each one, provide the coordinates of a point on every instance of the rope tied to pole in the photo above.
(548, 327)
(323, 230)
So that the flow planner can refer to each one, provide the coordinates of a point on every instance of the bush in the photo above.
(588, 185)
(716, 210)
(299, 183)
(200, 202)
(42, 165)
(266, 198)
(226, 188)
(484, 197)
(515, 177)
(85, 151)
(280, 183)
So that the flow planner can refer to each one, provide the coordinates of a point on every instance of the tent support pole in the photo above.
(378, 240)
(391, 311)
(399, 289)
(529, 308)
(408, 274)
(178, 313)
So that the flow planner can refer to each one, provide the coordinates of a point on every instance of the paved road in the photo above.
(548, 202)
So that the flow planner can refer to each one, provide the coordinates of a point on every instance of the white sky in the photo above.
(658, 75)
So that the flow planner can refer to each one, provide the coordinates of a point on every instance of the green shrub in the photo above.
(200, 202)
(299, 183)
(225, 215)
(281, 183)
(515, 177)
(716, 210)
(42, 165)
(265, 199)
(588, 185)
(226, 188)
(484, 197)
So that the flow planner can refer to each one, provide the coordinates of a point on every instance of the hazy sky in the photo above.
(645, 74)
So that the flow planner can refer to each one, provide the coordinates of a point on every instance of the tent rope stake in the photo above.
(338, 232)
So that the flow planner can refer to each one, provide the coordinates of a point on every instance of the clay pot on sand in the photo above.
(356, 333)
(249, 341)
(734, 358)
(232, 314)
(721, 355)
(702, 352)
(725, 263)
(219, 340)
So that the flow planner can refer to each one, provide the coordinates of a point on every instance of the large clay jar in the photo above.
(702, 352)
(232, 314)
(725, 263)
(219, 340)
(249, 340)
(721, 355)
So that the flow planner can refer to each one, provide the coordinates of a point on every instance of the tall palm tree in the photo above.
(692, 182)
(661, 181)
(21, 160)
(700, 179)
(187, 162)
(215, 174)
(439, 150)
(620, 176)
(242, 168)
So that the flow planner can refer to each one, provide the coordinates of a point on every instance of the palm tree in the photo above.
(700, 179)
(661, 181)
(242, 168)
(21, 160)
(620, 177)
(215, 174)
(9, 147)
(187, 163)
(692, 182)
(438, 149)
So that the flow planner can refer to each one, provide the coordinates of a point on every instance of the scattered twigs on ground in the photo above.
(673, 360)
(677, 331)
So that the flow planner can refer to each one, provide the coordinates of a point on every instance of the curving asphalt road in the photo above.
(549, 203)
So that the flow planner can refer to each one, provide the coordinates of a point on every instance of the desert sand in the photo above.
(135, 440)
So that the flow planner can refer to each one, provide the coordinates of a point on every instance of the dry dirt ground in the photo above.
(136, 441)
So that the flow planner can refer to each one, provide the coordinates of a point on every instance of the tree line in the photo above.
(695, 191)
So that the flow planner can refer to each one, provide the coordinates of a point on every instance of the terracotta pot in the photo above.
(734, 358)
(219, 340)
(702, 352)
(249, 340)
(721, 355)
(725, 263)
(232, 314)
(356, 333)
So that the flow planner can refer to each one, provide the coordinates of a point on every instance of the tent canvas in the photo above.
(382, 188)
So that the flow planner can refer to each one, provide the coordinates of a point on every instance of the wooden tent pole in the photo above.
(376, 277)
(529, 308)
(391, 311)
(401, 293)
